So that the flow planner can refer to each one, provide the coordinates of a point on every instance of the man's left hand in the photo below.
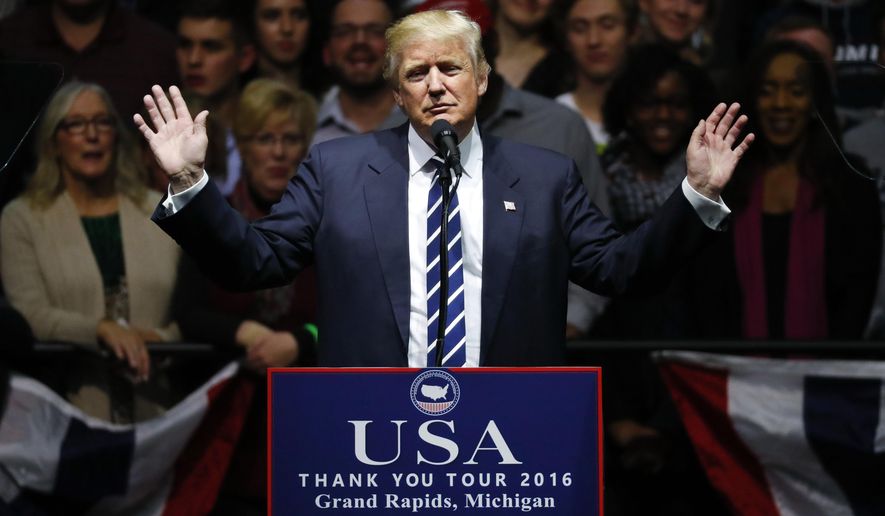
(711, 157)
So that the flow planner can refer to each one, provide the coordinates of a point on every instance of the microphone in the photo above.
(446, 142)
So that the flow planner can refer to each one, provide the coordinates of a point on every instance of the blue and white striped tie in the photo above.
(455, 348)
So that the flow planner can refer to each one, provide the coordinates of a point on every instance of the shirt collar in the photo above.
(420, 152)
(330, 113)
(509, 105)
(330, 110)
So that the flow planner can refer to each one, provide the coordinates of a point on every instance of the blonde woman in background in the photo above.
(81, 259)
(273, 126)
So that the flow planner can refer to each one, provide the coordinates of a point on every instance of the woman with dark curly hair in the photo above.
(650, 111)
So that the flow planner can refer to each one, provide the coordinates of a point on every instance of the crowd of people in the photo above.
(616, 85)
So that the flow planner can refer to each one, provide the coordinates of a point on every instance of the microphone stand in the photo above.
(445, 181)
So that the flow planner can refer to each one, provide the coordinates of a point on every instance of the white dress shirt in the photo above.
(469, 193)
(470, 199)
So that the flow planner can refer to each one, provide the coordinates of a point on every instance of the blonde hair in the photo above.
(264, 98)
(47, 182)
(434, 25)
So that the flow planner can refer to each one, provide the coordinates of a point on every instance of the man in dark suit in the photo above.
(359, 209)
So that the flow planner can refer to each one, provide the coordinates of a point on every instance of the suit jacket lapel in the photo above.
(503, 211)
(386, 192)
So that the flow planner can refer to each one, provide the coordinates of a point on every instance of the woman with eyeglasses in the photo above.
(81, 259)
(273, 126)
(651, 108)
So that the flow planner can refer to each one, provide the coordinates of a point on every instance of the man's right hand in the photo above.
(177, 141)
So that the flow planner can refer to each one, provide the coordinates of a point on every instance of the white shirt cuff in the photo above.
(176, 202)
(711, 212)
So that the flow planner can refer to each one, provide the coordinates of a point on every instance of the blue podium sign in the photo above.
(435, 441)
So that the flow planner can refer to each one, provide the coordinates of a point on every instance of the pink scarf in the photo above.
(806, 311)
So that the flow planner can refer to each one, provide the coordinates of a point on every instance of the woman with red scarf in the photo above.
(801, 261)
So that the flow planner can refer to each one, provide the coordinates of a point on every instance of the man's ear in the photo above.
(482, 85)
(397, 97)
(246, 57)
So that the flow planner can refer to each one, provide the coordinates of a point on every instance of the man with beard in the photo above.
(95, 41)
(354, 53)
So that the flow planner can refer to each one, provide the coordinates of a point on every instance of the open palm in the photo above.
(177, 141)
(711, 157)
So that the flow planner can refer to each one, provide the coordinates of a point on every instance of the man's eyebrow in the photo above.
(413, 66)
(462, 61)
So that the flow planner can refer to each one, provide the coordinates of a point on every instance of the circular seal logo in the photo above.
(435, 392)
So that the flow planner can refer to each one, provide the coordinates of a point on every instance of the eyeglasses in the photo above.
(78, 125)
(268, 140)
(349, 31)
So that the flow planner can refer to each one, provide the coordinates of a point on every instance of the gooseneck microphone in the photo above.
(446, 141)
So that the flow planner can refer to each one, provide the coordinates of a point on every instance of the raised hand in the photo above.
(177, 141)
(711, 156)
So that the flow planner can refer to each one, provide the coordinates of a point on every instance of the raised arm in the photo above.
(178, 141)
(711, 156)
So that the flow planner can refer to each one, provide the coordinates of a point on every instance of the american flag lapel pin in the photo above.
(509, 205)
